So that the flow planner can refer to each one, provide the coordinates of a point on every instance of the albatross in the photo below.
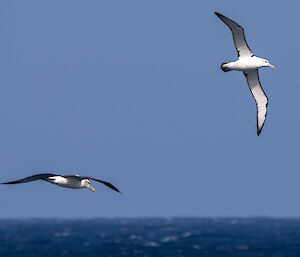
(70, 181)
(249, 64)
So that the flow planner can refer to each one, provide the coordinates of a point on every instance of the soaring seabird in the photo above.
(249, 65)
(71, 181)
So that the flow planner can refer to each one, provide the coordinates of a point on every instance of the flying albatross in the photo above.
(72, 181)
(249, 65)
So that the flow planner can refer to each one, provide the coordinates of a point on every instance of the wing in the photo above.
(105, 183)
(260, 97)
(239, 40)
(30, 179)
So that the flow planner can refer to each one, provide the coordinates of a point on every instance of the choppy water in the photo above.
(177, 237)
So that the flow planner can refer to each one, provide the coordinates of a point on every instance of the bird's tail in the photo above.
(224, 68)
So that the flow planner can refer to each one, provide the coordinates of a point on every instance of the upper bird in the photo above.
(71, 181)
(249, 65)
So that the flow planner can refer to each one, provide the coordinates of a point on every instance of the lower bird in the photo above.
(249, 65)
(70, 181)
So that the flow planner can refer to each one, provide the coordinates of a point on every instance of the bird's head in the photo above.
(85, 183)
(266, 63)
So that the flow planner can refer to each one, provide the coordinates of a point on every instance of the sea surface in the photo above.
(176, 237)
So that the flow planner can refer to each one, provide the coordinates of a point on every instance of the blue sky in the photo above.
(132, 92)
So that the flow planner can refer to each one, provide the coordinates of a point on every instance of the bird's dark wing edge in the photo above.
(30, 179)
(259, 87)
(105, 183)
(223, 17)
(227, 21)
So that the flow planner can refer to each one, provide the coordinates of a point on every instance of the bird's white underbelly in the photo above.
(244, 64)
(63, 182)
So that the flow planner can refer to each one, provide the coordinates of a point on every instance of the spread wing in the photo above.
(238, 36)
(260, 97)
(105, 183)
(30, 179)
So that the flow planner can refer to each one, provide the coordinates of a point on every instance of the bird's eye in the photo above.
(266, 61)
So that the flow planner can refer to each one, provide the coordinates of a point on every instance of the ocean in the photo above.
(176, 237)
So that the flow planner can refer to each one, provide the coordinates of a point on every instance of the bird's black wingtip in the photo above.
(218, 14)
(258, 132)
(116, 189)
(113, 187)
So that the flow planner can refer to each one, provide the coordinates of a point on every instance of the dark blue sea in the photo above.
(177, 237)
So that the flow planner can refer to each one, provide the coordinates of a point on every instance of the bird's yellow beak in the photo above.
(270, 65)
(92, 189)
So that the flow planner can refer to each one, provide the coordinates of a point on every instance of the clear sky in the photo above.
(132, 92)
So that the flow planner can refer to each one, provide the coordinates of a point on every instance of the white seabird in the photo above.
(249, 65)
(71, 181)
